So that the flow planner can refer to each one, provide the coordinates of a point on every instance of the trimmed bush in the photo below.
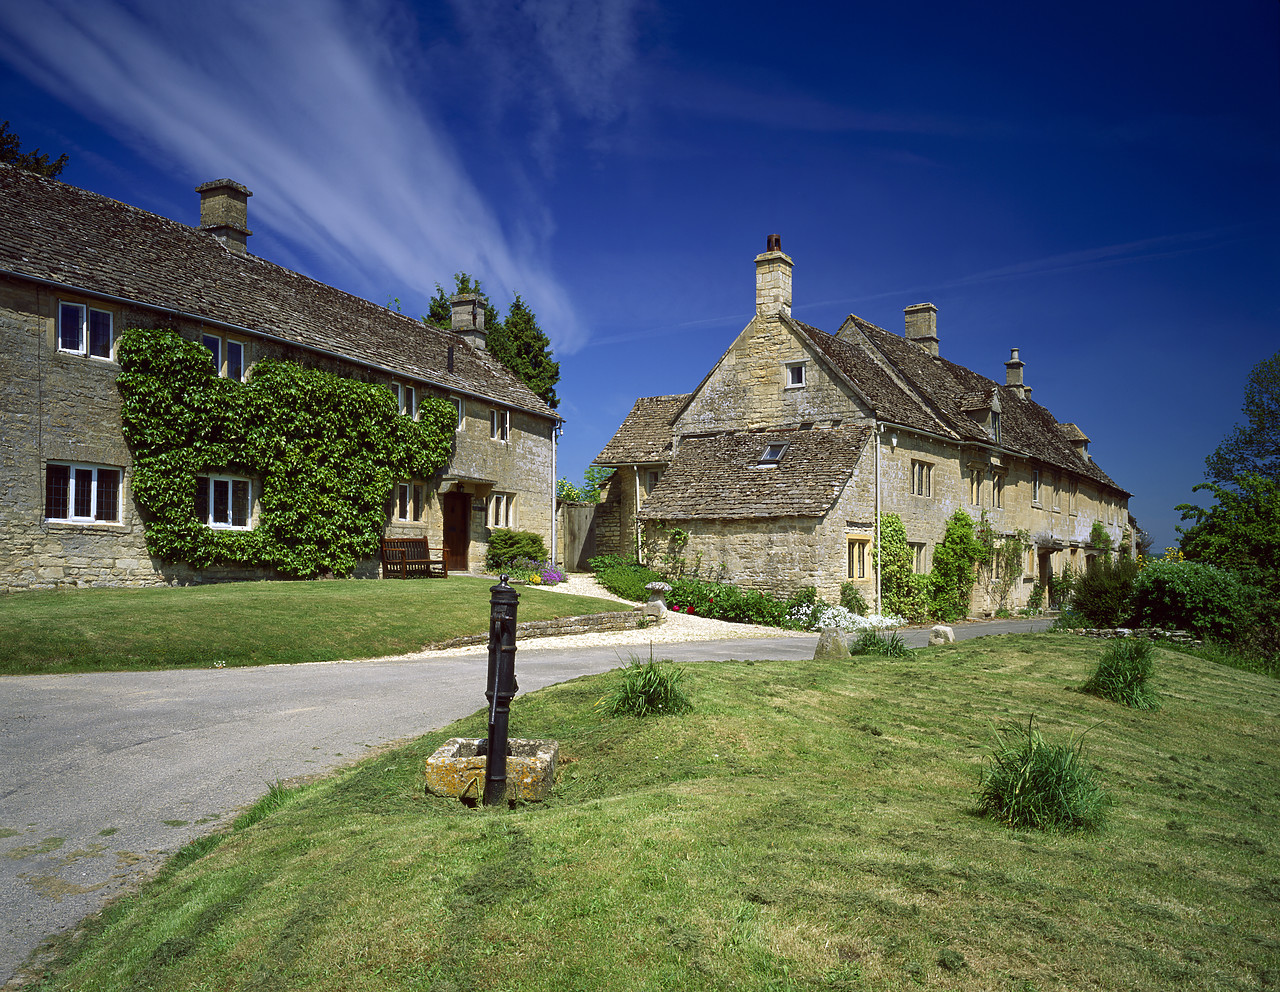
(648, 688)
(505, 546)
(1033, 785)
(1122, 674)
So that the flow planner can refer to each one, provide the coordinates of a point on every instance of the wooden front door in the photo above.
(456, 508)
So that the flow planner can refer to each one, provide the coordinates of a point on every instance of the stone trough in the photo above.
(457, 769)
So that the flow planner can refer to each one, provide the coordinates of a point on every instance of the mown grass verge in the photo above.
(251, 623)
(808, 825)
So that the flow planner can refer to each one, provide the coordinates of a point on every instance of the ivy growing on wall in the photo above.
(323, 454)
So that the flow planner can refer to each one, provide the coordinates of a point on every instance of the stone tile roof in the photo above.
(937, 395)
(645, 436)
(77, 239)
(720, 478)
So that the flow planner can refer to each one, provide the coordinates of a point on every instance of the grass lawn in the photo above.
(809, 825)
(251, 623)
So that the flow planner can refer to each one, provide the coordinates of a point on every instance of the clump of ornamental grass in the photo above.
(870, 642)
(1123, 673)
(1030, 784)
(647, 688)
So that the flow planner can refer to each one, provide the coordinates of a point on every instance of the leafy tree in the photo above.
(1241, 532)
(594, 479)
(517, 342)
(1142, 541)
(33, 161)
(1252, 447)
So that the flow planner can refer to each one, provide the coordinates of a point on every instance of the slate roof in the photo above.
(645, 436)
(937, 395)
(719, 477)
(81, 240)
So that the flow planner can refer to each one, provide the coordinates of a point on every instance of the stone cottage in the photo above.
(77, 269)
(779, 464)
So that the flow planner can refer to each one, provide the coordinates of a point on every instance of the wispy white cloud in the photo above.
(313, 105)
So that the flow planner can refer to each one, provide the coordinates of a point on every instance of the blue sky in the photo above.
(1094, 184)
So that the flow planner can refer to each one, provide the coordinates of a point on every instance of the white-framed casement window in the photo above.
(858, 557)
(227, 354)
(83, 330)
(499, 424)
(917, 557)
(502, 509)
(651, 481)
(224, 502)
(795, 375)
(411, 501)
(458, 409)
(921, 478)
(1035, 486)
(82, 493)
(406, 399)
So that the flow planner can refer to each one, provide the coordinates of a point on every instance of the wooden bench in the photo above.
(410, 558)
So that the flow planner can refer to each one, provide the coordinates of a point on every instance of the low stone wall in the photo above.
(1152, 633)
(591, 623)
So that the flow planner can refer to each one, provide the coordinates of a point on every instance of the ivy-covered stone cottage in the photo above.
(779, 465)
(176, 409)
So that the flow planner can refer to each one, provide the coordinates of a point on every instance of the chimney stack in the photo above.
(1013, 374)
(224, 213)
(922, 326)
(773, 279)
(467, 311)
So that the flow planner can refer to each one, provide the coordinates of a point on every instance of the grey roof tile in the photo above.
(71, 237)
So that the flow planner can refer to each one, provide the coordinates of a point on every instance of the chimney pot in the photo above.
(773, 279)
(922, 326)
(224, 212)
(467, 312)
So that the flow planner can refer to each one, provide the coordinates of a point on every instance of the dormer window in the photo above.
(995, 425)
(795, 375)
(772, 454)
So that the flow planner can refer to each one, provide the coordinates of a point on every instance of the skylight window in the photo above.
(772, 454)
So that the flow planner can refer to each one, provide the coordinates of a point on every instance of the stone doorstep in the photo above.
(457, 768)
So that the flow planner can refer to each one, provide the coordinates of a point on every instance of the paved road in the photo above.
(104, 776)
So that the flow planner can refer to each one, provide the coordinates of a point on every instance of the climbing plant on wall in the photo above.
(323, 452)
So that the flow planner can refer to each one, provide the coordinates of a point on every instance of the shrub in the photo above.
(1104, 593)
(647, 688)
(1098, 536)
(893, 558)
(1031, 784)
(1122, 674)
(953, 569)
(1208, 601)
(507, 545)
(722, 601)
(853, 600)
(624, 577)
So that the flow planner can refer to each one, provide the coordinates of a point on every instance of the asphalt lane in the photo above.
(104, 776)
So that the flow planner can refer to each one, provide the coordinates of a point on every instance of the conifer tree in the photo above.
(11, 153)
